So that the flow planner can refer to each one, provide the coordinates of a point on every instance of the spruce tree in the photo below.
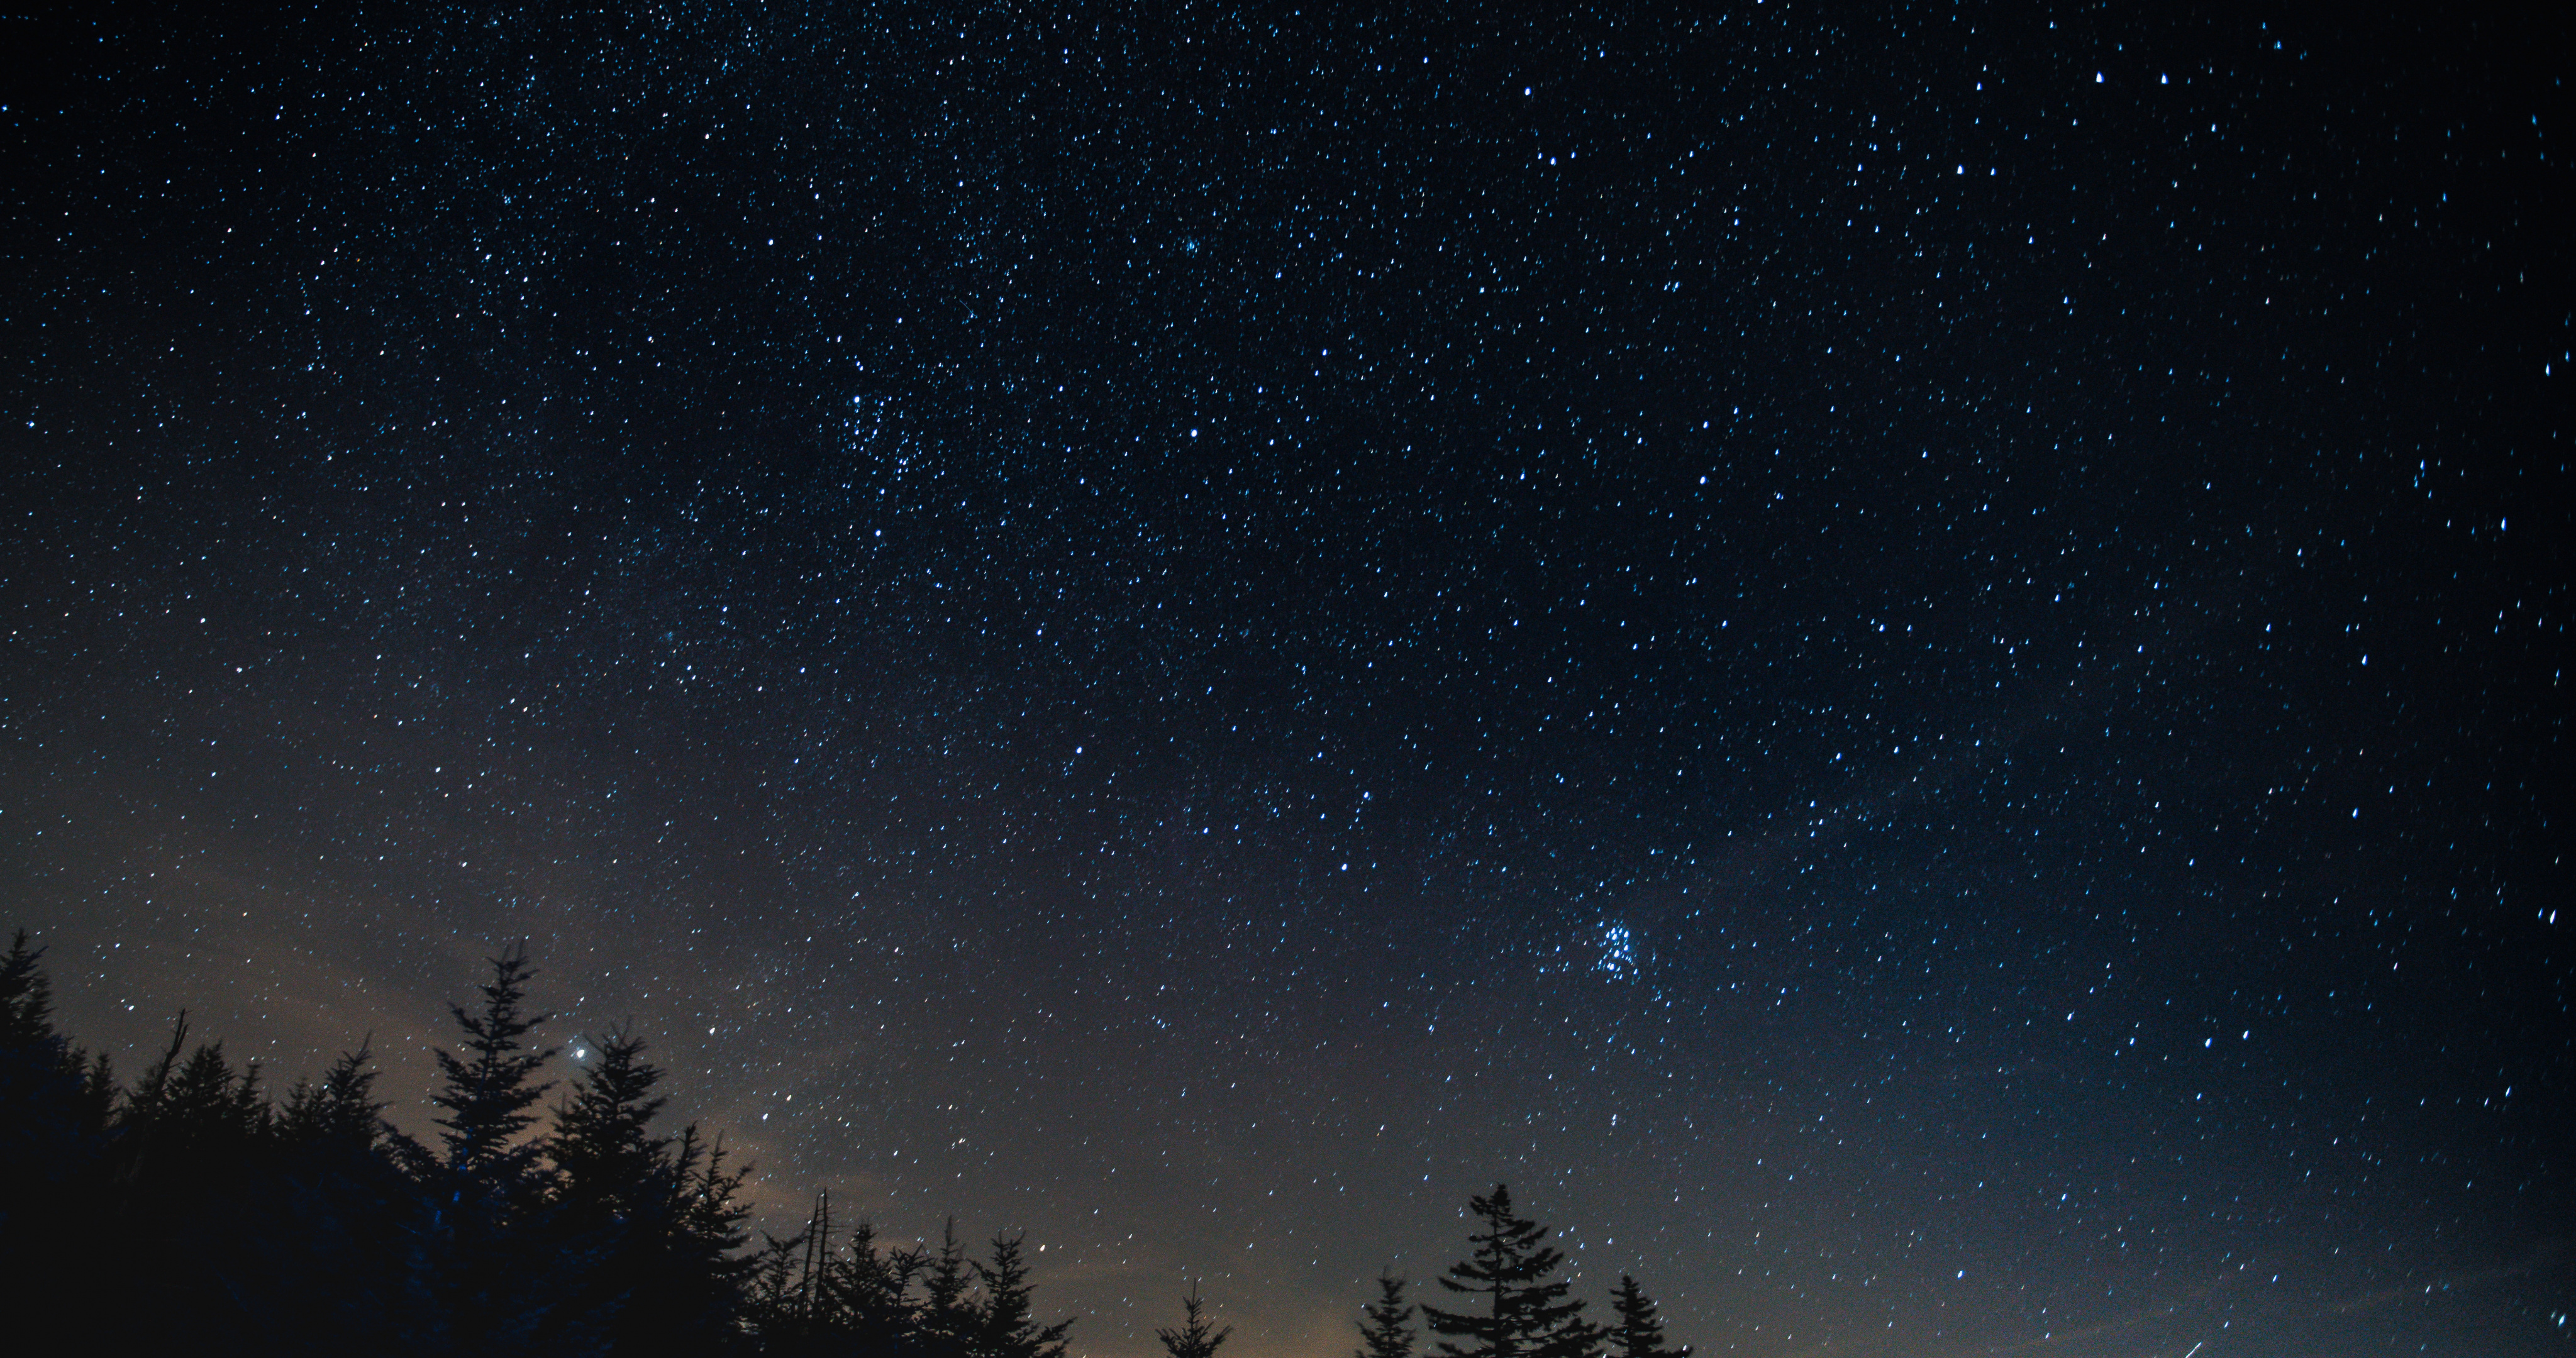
(607, 1162)
(486, 1094)
(332, 1238)
(194, 1174)
(870, 1298)
(54, 1108)
(1526, 1312)
(773, 1292)
(188, 1131)
(706, 1233)
(54, 1102)
(209, 1110)
(1196, 1338)
(26, 998)
(1007, 1326)
(1386, 1333)
(96, 1104)
(948, 1322)
(341, 1114)
(1640, 1332)
(617, 1200)
(493, 1277)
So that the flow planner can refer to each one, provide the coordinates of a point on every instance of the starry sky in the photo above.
(1904, 663)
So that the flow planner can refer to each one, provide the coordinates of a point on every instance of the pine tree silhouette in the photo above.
(341, 1114)
(487, 1093)
(142, 1108)
(607, 1161)
(26, 998)
(54, 1103)
(493, 1278)
(188, 1130)
(703, 1270)
(1386, 1333)
(1640, 1332)
(302, 1231)
(774, 1291)
(1006, 1326)
(327, 1242)
(948, 1322)
(313, 1225)
(207, 1111)
(869, 1290)
(54, 1139)
(628, 1206)
(1196, 1338)
(1527, 1313)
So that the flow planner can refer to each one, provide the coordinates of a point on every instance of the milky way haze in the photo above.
(1906, 668)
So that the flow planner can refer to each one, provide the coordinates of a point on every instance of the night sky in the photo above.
(1909, 668)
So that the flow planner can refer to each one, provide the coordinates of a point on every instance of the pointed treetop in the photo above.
(602, 1143)
(26, 998)
(1196, 1338)
(1525, 1312)
(342, 1110)
(487, 1092)
(1386, 1333)
(1640, 1332)
(1009, 1328)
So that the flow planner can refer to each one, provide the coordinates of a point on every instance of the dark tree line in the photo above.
(1512, 1304)
(193, 1211)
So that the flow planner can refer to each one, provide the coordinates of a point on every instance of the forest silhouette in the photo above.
(193, 1211)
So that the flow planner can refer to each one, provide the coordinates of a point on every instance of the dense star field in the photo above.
(1908, 668)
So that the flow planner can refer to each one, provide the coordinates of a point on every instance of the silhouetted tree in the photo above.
(774, 1291)
(869, 1295)
(946, 1324)
(702, 1246)
(607, 1161)
(486, 1094)
(1527, 1313)
(188, 1131)
(313, 1226)
(26, 998)
(1640, 1332)
(1006, 1325)
(327, 1263)
(281, 1235)
(1196, 1338)
(640, 1207)
(810, 1295)
(802, 1297)
(54, 1110)
(1386, 1333)
(54, 1103)
(142, 1107)
(206, 1111)
(341, 1114)
(495, 1278)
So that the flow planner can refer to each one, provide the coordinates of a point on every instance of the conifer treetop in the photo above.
(487, 1092)
(1196, 1337)
(26, 997)
(1386, 1333)
(1640, 1332)
(1526, 1312)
